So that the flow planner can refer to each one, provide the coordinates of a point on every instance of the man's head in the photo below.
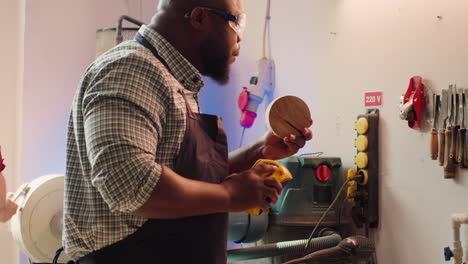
(206, 32)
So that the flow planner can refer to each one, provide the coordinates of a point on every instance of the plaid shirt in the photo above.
(128, 118)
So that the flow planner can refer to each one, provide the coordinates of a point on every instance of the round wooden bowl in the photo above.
(288, 115)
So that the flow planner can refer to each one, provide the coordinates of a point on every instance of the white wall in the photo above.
(328, 52)
(12, 21)
(331, 52)
(59, 45)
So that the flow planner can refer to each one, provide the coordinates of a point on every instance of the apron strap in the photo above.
(143, 41)
(190, 113)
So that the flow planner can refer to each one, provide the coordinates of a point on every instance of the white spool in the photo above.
(37, 225)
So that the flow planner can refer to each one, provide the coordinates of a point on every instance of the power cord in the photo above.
(316, 154)
(328, 209)
(266, 31)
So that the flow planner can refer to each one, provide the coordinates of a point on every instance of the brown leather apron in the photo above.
(201, 239)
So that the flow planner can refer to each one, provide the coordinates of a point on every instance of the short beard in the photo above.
(215, 65)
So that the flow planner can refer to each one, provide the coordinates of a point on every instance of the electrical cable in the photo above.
(340, 214)
(324, 214)
(57, 255)
(242, 137)
(316, 154)
(266, 31)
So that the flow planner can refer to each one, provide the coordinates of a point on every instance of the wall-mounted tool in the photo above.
(262, 84)
(462, 131)
(464, 137)
(364, 192)
(450, 138)
(455, 149)
(434, 134)
(413, 103)
(442, 125)
(248, 102)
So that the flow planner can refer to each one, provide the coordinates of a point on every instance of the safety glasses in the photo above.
(237, 23)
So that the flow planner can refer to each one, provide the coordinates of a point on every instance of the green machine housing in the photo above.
(307, 196)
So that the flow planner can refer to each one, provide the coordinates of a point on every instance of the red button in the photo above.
(322, 173)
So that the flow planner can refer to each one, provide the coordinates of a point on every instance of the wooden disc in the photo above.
(288, 115)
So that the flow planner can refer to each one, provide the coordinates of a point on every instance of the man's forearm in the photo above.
(177, 197)
(243, 158)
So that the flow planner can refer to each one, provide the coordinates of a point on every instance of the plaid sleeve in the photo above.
(122, 124)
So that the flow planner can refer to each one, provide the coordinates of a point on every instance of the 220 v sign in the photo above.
(373, 99)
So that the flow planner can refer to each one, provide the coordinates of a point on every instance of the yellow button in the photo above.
(362, 125)
(351, 173)
(361, 143)
(351, 190)
(361, 160)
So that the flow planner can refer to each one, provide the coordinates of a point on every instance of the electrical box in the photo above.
(364, 192)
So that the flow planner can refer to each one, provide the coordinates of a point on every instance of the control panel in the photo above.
(363, 181)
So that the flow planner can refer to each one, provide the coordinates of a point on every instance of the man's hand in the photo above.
(9, 208)
(278, 148)
(247, 190)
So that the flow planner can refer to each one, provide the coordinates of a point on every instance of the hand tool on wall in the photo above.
(442, 125)
(434, 140)
(462, 131)
(465, 125)
(455, 145)
(449, 163)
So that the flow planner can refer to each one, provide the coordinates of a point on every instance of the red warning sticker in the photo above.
(373, 99)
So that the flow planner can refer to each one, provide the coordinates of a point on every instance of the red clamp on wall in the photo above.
(413, 103)
(2, 165)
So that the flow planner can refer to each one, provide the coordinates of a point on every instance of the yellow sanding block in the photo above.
(282, 174)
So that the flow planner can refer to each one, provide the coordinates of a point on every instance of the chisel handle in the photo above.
(464, 154)
(453, 145)
(449, 163)
(461, 142)
(434, 144)
(448, 141)
(441, 147)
